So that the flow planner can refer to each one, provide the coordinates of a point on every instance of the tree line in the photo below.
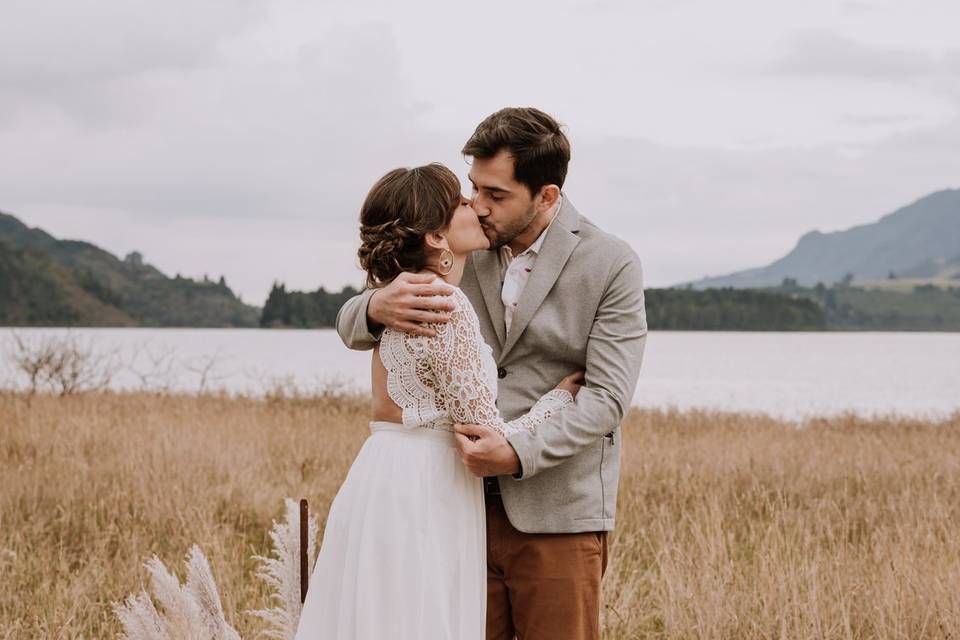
(303, 309)
(679, 309)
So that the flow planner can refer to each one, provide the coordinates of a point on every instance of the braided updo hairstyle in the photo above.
(401, 208)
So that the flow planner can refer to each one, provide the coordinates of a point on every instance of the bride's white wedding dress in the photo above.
(404, 549)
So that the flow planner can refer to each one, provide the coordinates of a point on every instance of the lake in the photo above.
(789, 375)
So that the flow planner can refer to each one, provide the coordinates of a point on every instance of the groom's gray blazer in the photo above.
(581, 309)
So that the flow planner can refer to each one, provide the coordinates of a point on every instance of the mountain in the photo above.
(921, 240)
(935, 268)
(47, 281)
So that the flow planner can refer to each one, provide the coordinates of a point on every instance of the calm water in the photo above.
(786, 374)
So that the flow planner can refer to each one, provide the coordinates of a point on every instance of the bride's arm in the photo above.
(464, 386)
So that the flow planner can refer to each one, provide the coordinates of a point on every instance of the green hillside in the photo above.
(36, 291)
(923, 307)
(46, 281)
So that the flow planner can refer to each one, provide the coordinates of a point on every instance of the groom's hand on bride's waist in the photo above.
(408, 301)
(485, 452)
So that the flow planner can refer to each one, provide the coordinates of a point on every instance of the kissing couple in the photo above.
(507, 333)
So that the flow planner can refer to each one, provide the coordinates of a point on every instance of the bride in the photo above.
(403, 553)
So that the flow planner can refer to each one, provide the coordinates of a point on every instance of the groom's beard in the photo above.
(501, 237)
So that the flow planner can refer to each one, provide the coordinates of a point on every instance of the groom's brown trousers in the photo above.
(541, 586)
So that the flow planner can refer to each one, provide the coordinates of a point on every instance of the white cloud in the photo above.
(821, 53)
(82, 59)
(240, 137)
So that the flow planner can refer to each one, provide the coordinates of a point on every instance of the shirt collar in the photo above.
(534, 247)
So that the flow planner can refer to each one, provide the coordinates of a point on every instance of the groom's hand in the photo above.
(407, 301)
(485, 452)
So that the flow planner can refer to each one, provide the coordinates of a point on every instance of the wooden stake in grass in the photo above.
(304, 525)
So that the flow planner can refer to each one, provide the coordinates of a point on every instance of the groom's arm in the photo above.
(352, 323)
(407, 303)
(614, 352)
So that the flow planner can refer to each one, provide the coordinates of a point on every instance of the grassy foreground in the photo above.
(730, 526)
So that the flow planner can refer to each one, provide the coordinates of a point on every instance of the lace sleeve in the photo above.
(465, 383)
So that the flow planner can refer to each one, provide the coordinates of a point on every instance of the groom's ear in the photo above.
(548, 196)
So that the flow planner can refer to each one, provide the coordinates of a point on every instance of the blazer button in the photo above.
(501, 372)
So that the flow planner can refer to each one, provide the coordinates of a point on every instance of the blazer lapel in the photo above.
(486, 265)
(559, 243)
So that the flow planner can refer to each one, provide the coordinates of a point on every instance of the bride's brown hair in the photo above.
(401, 208)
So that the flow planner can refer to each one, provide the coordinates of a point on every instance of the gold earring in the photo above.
(446, 262)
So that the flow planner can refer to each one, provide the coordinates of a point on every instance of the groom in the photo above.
(554, 295)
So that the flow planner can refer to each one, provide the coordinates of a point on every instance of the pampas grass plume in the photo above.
(282, 572)
(193, 610)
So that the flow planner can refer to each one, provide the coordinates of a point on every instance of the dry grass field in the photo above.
(730, 526)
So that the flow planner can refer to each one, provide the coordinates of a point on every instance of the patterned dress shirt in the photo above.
(515, 270)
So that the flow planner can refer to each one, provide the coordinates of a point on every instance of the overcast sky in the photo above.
(239, 138)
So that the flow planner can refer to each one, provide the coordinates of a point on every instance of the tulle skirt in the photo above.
(404, 549)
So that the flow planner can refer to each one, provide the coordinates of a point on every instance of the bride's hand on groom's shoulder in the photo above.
(408, 301)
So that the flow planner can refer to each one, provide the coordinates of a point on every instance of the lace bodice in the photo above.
(452, 377)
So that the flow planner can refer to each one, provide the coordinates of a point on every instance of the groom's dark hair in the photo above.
(540, 149)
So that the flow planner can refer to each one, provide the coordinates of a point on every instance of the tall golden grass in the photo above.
(730, 526)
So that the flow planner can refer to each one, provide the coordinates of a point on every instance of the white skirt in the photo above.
(404, 549)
